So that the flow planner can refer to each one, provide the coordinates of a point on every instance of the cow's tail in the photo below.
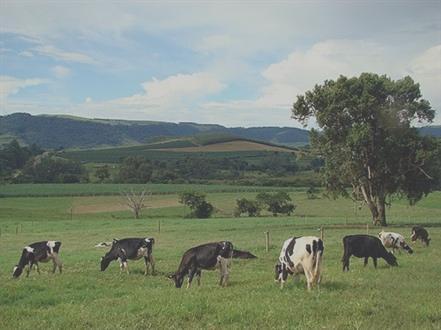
(317, 248)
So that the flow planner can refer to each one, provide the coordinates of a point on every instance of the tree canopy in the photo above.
(368, 140)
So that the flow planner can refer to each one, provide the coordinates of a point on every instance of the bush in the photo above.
(244, 205)
(197, 203)
(276, 203)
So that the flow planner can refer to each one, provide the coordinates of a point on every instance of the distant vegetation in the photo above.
(56, 132)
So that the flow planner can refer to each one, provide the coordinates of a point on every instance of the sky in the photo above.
(234, 63)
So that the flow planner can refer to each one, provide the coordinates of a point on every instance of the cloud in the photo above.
(61, 55)
(11, 85)
(26, 53)
(60, 71)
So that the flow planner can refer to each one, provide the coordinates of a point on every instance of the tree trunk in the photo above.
(381, 208)
(377, 207)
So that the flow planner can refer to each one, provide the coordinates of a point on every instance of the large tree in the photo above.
(368, 141)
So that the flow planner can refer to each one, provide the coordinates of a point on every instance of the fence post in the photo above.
(367, 228)
(159, 226)
(322, 232)
(267, 241)
(16, 229)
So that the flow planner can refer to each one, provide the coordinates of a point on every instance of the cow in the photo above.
(365, 246)
(420, 233)
(38, 252)
(394, 241)
(207, 256)
(130, 249)
(300, 255)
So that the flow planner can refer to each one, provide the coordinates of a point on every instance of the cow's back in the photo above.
(363, 245)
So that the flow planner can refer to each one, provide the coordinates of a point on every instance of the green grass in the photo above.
(405, 297)
(29, 190)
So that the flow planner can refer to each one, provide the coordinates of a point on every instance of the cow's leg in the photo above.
(191, 274)
(38, 268)
(365, 261)
(199, 274)
(29, 268)
(309, 279)
(223, 265)
(284, 276)
(146, 263)
(123, 265)
(375, 262)
(57, 263)
(346, 262)
(152, 263)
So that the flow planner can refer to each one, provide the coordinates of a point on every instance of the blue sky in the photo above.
(227, 62)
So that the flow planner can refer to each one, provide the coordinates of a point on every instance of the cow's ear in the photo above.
(114, 241)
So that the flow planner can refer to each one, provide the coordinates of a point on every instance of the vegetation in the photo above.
(368, 142)
(196, 201)
(84, 297)
(276, 203)
(13, 157)
(102, 173)
(252, 208)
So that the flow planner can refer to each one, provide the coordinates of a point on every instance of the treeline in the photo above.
(33, 165)
(21, 164)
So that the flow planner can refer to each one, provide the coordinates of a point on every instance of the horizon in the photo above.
(205, 63)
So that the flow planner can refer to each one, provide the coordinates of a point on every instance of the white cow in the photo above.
(300, 255)
(394, 241)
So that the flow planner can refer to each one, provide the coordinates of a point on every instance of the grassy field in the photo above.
(405, 297)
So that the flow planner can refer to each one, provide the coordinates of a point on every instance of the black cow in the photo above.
(365, 246)
(130, 249)
(38, 252)
(420, 233)
(206, 256)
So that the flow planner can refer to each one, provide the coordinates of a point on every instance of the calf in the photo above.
(420, 233)
(394, 241)
(365, 246)
(130, 249)
(207, 256)
(38, 252)
(300, 255)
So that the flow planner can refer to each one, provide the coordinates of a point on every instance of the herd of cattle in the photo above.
(299, 255)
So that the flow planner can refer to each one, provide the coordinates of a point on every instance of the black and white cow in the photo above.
(300, 255)
(207, 256)
(420, 233)
(365, 246)
(130, 249)
(38, 252)
(394, 241)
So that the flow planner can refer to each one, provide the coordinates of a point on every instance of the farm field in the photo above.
(405, 297)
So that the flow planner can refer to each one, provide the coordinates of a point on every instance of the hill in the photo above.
(55, 132)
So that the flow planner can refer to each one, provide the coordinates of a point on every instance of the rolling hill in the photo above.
(56, 132)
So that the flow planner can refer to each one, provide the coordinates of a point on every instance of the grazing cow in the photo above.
(130, 249)
(300, 255)
(365, 246)
(238, 254)
(394, 241)
(420, 233)
(38, 252)
(207, 256)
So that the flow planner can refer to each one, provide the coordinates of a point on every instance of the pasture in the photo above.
(83, 297)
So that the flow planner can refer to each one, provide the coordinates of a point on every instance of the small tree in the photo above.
(136, 201)
(197, 203)
(244, 205)
(311, 192)
(102, 173)
(279, 202)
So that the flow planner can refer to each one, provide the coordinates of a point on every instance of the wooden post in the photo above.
(367, 228)
(71, 211)
(322, 233)
(159, 226)
(16, 229)
(267, 241)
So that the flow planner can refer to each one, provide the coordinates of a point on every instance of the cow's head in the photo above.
(177, 279)
(406, 247)
(226, 250)
(17, 271)
(105, 261)
(391, 259)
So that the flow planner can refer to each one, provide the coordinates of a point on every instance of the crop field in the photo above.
(403, 297)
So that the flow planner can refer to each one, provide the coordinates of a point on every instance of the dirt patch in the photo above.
(229, 146)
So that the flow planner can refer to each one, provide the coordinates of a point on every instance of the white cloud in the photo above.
(61, 55)
(88, 100)
(11, 85)
(26, 53)
(60, 71)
